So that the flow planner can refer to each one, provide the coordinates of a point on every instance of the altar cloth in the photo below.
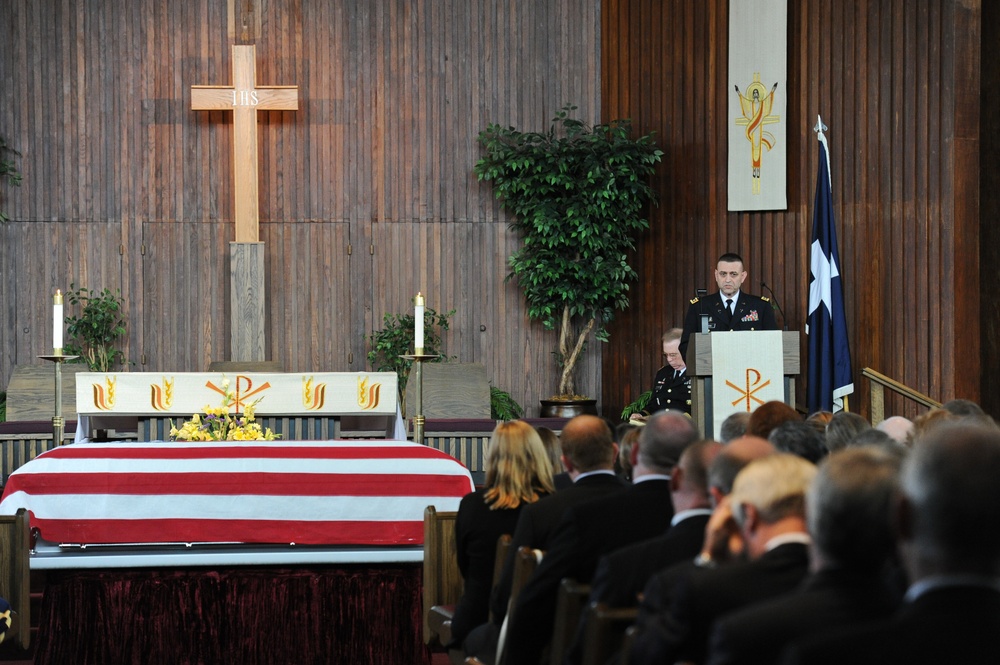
(369, 493)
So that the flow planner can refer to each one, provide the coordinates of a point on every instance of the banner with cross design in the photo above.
(747, 371)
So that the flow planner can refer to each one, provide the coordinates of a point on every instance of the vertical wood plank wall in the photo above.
(989, 186)
(898, 85)
(367, 192)
(368, 195)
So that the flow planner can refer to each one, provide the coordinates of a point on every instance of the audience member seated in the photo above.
(621, 575)
(879, 439)
(945, 521)
(554, 449)
(626, 443)
(768, 506)
(842, 429)
(769, 415)
(588, 454)
(898, 428)
(963, 407)
(722, 543)
(591, 529)
(799, 438)
(928, 420)
(733, 426)
(848, 509)
(518, 472)
(819, 420)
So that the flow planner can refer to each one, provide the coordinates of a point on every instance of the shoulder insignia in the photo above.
(694, 300)
(765, 299)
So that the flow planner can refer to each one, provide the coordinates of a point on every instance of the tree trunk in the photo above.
(570, 355)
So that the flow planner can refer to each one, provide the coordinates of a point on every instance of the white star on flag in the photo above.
(823, 272)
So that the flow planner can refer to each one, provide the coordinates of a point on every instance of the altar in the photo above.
(303, 405)
(280, 551)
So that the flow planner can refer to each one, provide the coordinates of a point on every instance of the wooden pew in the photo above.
(570, 604)
(605, 635)
(442, 578)
(14, 575)
(503, 546)
(525, 562)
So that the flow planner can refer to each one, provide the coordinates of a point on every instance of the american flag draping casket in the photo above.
(301, 492)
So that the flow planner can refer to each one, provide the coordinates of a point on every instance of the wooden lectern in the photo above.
(700, 369)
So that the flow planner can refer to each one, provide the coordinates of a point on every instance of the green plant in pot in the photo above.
(578, 193)
(95, 333)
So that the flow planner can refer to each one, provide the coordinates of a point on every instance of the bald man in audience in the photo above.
(768, 505)
(946, 519)
(897, 427)
(591, 529)
(848, 509)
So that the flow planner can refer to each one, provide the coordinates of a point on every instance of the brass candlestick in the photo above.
(58, 424)
(418, 417)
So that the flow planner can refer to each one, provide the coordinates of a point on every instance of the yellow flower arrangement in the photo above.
(218, 424)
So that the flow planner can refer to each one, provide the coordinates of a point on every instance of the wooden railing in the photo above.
(879, 382)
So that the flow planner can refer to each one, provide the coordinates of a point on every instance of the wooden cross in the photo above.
(244, 98)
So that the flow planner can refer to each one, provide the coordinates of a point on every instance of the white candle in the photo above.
(57, 322)
(418, 325)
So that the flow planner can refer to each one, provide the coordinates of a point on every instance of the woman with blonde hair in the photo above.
(518, 472)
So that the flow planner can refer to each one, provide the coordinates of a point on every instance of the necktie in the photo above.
(729, 306)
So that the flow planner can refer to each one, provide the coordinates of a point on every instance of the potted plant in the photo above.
(94, 335)
(578, 194)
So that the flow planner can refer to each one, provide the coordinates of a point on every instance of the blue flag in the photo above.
(829, 359)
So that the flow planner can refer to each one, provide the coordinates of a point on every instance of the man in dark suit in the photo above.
(594, 528)
(946, 522)
(729, 308)
(768, 505)
(588, 454)
(721, 536)
(621, 575)
(848, 509)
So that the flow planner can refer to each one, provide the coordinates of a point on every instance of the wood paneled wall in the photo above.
(989, 187)
(897, 83)
(367, 192)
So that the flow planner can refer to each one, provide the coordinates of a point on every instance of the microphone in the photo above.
(701, 293)
(784, 323)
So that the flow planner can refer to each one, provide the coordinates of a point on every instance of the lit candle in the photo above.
(57, 323)
(418, 325)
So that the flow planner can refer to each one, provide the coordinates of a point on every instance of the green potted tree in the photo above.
(96, 333)
(578, 194)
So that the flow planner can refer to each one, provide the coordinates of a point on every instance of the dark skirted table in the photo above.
(253, 552)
